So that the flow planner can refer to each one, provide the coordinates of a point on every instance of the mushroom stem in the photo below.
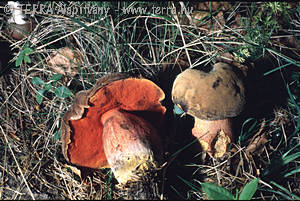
(128, 142)
(17, 15)
(214, 136)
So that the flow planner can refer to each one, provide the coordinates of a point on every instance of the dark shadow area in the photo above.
(264, 92)
(180, 145)
(5, 56)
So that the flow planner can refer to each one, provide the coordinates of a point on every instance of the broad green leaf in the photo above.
(27, 59)
(48, 86)
(37, 81)
(298, 9)
(55, 77)
(40, 95)
(216, 192)
(62, 92)
(20, 58)
(177, 110)
(249, 190)
(28, 51)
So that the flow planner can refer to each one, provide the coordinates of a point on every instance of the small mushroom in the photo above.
(213, 98)
(18, 26)
(114, 124)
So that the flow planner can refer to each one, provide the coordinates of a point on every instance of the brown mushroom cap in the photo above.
(213, 95)
(20, 31)
(81, 125)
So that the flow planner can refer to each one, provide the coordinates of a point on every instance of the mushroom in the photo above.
(18, 26)
(213, 98)
(114, 124)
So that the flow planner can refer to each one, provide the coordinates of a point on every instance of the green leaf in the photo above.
(37, 81)
(298, 9)
(249, 190)
(28, 51)
(39, 96)
(27, 59)
(216, 192)
(20, 58)
(62, 92)
(55, 77)
(48, 86)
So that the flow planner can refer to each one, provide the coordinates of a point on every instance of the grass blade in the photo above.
(275, 69)
(279, 193)
(183, 148)
(298, 111)
(290, 158)
(194, 187)
(295, 171)
(174, 189)
(285, 190)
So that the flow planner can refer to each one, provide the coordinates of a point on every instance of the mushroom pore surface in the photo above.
(83, 142)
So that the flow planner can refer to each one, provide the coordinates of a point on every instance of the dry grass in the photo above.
(158, 48)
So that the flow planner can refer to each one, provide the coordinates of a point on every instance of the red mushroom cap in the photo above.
(82, 128)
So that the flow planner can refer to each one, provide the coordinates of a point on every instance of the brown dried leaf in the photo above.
(258, 142)
(257, 145)
(290, 41)
(65, 61)
(215, 5)
(221, 144)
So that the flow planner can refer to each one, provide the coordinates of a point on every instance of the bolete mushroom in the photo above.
(18, 26)
(213, 98)
(114, 124)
